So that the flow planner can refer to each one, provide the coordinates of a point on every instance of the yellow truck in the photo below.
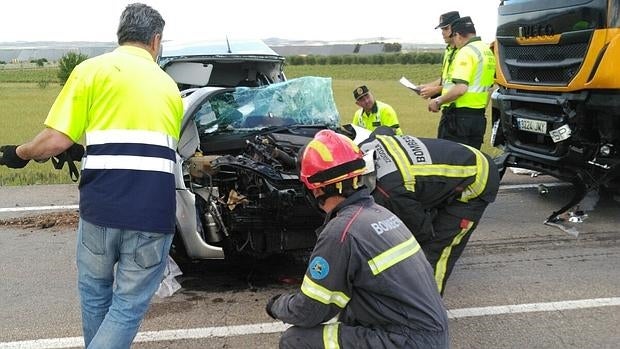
(557, 106)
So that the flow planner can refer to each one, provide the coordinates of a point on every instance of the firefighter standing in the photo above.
(366, 266)
(439, 188)
(465, 95)
(373, 113)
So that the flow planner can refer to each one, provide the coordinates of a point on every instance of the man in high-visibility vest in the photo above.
(373, 113)
(465, 95)
(438, 188)
(433, 88)
(129, 113)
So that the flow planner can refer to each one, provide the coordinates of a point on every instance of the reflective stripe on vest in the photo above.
(393, 256)
(330, 336)
(442, 264)
(322, 294)
(398, 154)
(482, 174)
(413, 159)
(129, 150)
(447, 65)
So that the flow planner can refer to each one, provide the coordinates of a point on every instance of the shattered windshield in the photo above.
(301, 101)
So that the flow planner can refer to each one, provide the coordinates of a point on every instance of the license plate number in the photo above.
(530, 125)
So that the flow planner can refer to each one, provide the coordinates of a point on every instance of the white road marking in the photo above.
(39, 208)
(75, 207)
(276, 327)
(534, 307)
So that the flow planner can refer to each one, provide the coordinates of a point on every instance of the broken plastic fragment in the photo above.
(569, 230)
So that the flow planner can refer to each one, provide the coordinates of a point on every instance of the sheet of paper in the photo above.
(408, 84)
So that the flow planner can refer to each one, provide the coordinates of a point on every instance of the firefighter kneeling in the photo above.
(366, 267)
(439, 188)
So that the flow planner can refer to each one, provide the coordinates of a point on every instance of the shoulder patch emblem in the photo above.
(319, 268)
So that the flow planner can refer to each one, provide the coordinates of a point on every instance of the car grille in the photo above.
(542, 64)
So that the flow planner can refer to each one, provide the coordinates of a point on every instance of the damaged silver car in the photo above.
(238, 191)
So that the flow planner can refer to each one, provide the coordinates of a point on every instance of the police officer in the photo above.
(373, 113)
(439, 189)
(433, 88)
(366, 266)
(465, 95)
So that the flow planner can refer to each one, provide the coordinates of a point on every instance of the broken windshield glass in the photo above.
(302, 101)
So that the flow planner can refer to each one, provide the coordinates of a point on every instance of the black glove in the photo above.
(270, 304)
(74, 153)
(10, 159)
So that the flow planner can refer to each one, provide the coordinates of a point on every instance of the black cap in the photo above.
(360, 92)
(463, 25)
(447, 19)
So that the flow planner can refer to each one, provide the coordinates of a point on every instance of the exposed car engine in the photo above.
(253, 203)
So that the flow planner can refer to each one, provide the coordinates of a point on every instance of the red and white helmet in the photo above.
(330, 158)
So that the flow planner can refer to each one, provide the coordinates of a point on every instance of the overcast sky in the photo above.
(96, 20)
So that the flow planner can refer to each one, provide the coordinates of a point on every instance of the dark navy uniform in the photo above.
(368, 268)
(439, 188)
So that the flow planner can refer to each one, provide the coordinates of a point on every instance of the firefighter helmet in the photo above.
(330, 158)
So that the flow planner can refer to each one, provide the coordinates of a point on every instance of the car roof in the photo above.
(226, 63)
(219, 48)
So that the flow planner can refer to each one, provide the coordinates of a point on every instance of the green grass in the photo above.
(24, 104)
(24, 107)
(382, 80)
(29, 74)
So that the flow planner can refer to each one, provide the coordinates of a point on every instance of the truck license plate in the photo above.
(530, 125)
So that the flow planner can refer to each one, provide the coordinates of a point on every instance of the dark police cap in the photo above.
(463, 25)
(360, 92)
(447, 19)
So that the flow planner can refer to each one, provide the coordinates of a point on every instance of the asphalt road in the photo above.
(519, 284)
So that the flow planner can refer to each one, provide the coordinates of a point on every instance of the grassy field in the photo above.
(29, 74)
(25, 101)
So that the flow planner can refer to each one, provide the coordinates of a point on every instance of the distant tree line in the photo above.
(383, 58)
(39, 62)
(387, 47)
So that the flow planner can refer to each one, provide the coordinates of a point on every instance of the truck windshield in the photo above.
(528, 18)
(611, 7)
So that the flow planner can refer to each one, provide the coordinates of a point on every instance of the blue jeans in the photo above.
(119, 271)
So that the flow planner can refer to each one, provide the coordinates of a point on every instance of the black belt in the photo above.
(470, 111)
